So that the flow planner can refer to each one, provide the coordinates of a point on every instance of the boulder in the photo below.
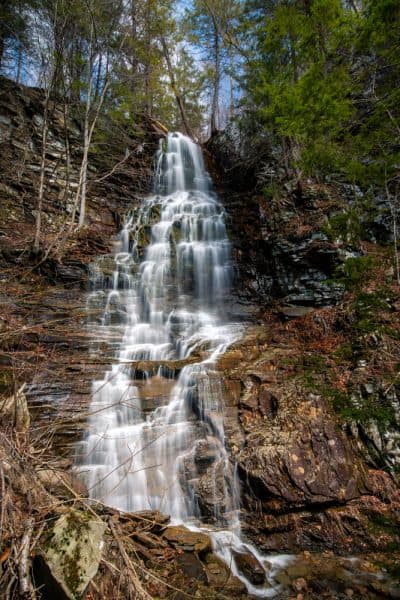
(248, 565)
(189, 541)
(219, 576)
(300, 460)
(71, 554)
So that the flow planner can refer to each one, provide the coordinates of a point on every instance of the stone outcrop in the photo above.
(71, 554)
(277, 244)
(189, 541)
(303, 480)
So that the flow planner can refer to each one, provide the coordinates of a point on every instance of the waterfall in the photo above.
(155, 439)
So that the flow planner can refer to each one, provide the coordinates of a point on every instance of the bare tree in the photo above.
(178, 96)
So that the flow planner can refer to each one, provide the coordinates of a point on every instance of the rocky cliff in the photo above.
(311, 391)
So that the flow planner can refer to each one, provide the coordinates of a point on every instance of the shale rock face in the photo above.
(109, 196)
(277, 226)
(300, 459)
(303, 481)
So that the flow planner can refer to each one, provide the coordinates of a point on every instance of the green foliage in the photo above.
(367, 308)
(363, 410)
(272, 190)
(344, 227)
(354, 271)
(300, 87)
(324, 79)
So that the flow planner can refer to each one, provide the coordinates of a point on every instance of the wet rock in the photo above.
(211, 492)
(189, 541)
(192, 567)
(206, 453)
(73, 551)
(153, 519)
(249, 566)
(154, 214)
(167, 368)
(220, 577)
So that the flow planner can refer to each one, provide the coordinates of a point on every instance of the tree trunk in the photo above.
(217, 76)
(133, 54)
(148, 108)
(98, 77)
(178, 97)
(1, 48)
(38, 227)
(86, 135)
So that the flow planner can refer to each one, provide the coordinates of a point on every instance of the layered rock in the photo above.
(303, 480)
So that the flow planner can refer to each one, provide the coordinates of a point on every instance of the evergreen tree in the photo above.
(298, 78)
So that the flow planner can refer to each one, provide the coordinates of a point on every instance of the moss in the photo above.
(144, 236)
(345, 227)
(367, 309)
(353, 273)
(272, 190)
(317, 375)
(311, 369)
(69, 554)
(356, 223)
(380, 523)
(366, 410)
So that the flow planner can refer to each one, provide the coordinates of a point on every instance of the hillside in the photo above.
(310, 391)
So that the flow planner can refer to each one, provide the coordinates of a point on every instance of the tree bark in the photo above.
(217, 77)
(133, 54)
(86, 137)
(2, 44)
(148, 103)
(45, 128)
(25, 584)
(178, 97)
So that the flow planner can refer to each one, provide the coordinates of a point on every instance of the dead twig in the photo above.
(25, 584)
(139, 591)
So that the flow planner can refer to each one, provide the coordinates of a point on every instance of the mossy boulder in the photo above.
(73, 550)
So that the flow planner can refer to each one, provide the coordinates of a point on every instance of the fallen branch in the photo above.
(139, 591)
(25, 584)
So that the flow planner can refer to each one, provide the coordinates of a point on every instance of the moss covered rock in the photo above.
(73, 551)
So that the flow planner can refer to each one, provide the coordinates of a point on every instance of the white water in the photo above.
(147, 431)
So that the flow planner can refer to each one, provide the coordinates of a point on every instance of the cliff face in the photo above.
(111, 191)
(312, 395)
(45, 342)
(311, 392)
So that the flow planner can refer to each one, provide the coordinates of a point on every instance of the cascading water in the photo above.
(155, 442)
